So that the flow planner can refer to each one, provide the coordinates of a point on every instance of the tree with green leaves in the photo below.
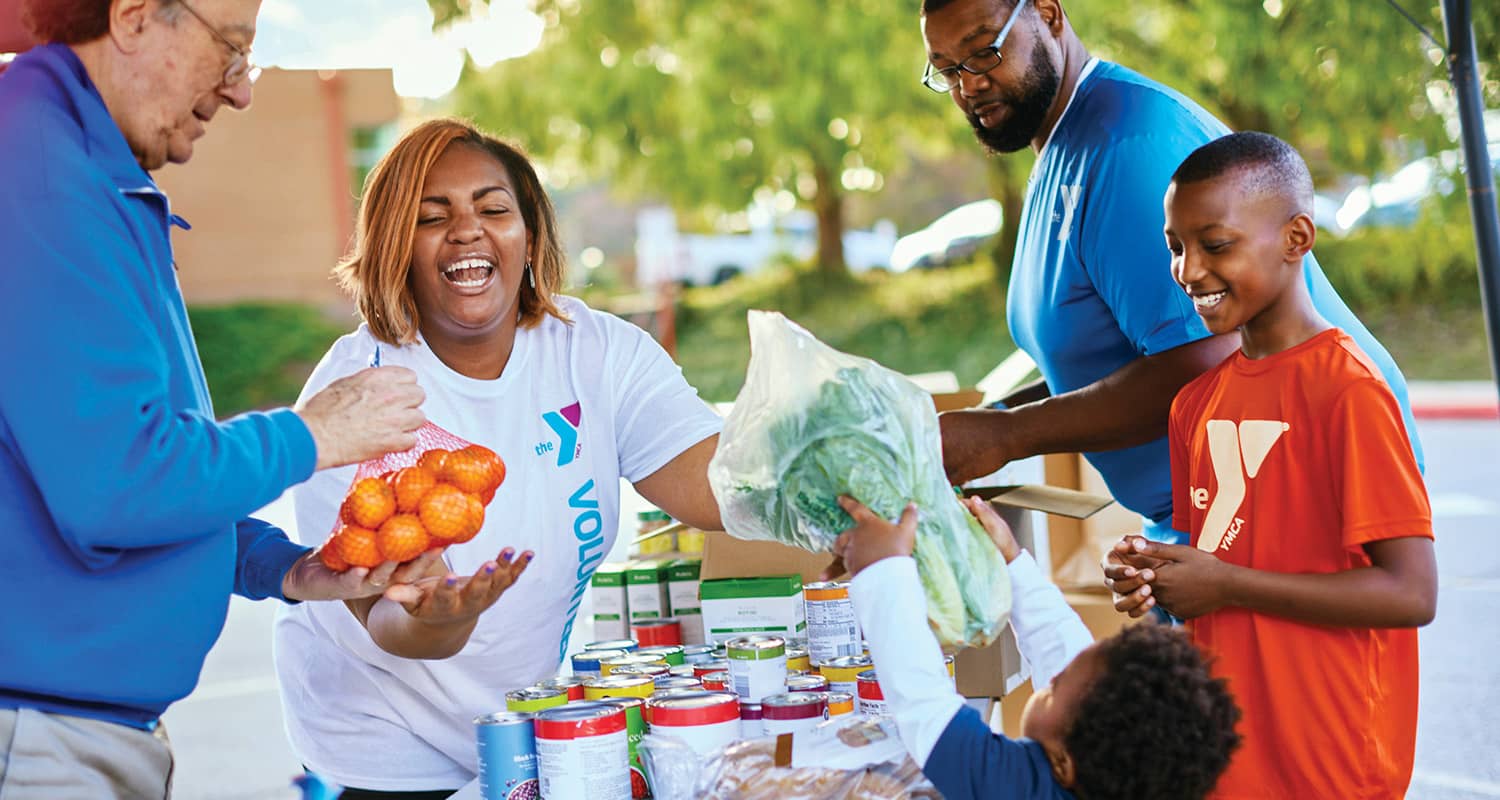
(705, 102)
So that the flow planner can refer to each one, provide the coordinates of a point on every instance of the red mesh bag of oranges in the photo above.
(404, 504)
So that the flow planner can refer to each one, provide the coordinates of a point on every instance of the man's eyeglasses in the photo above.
(239, 67)
(982, 61)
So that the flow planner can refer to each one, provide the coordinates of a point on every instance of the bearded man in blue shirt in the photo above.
(1091, 296)
(124, 504)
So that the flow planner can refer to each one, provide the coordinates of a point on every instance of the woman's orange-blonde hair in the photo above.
(377, 273)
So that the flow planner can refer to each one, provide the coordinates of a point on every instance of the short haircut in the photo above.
(1154, 723)
(1262, 163)
(377, 273)
(76, 21)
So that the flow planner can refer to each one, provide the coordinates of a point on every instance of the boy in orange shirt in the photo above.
(1310, 561)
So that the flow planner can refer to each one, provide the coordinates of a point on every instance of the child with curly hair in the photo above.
(1143, 697)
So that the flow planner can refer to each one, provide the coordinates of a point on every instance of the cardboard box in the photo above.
(1078, 543)
(757, 603)
(611, 604)
(682, 596)
(646, 590)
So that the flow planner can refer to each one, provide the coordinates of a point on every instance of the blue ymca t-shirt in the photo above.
(1091, 286)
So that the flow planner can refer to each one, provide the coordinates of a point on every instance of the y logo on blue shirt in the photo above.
(564, 422)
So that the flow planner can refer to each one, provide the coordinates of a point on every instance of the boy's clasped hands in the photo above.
(1180, 579)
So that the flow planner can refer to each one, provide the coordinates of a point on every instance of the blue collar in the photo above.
(78, 97)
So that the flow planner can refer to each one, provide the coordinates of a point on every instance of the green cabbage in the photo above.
(814, 423)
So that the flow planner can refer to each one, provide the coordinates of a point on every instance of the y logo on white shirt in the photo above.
(1230, 445)
(1070, 195)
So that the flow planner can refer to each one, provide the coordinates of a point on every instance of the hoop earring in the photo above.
(530, 275)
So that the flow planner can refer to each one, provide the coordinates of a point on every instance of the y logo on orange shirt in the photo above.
(1230, 445)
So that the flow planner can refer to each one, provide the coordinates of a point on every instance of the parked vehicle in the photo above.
(952, 238)
(708, 259)
(1398, 200)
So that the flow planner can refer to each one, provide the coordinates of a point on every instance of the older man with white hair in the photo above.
(124, 504)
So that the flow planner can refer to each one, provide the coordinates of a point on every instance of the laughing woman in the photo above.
(455, 270)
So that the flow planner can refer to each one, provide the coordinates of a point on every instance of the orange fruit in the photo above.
(370, 502)
(447, 514)
(329, 555)
(476, 512)
(493, 463)
(356, 545)
(467, 470)
(410, 484)
(433, 461)
(402, 538)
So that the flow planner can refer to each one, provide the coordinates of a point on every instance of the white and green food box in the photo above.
(740, 606)
(646, 587)
(682, 594)
(611, 606)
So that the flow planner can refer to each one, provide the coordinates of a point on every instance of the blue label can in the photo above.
(507, 756)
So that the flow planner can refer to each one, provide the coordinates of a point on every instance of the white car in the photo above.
(953, 237)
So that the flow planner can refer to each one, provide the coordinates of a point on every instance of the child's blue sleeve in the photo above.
(969, 761)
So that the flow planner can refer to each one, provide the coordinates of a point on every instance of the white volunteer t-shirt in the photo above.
(578, 407)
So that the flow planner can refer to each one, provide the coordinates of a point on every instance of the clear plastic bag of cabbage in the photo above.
(812, 423)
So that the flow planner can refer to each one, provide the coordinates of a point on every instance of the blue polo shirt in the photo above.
(1091, 286)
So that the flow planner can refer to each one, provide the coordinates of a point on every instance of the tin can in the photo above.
(720, 681)
(628, 645)
(609, 665)
(670, 653)
(758, 665)
(652, 671)
(871, 699)
(583, 752)
(673, 692)
(797, 660)
(839, 704)
(751, 726)
(807, 683)
(671, 682)
(843, 672)
(705, 720)
(507, 756)
(572, 684)
(832, 628)
(719, 651)
(711, 665)
(659, 631)
(618, 686)
(683, 671)
(793, 712)
(695, 653)
(635, 728)
(533, 699)
(586, 663)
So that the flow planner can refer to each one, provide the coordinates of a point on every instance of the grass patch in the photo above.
(258, 355)
(1445, 341)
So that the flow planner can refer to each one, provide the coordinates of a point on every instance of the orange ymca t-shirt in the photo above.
(1291, 463)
